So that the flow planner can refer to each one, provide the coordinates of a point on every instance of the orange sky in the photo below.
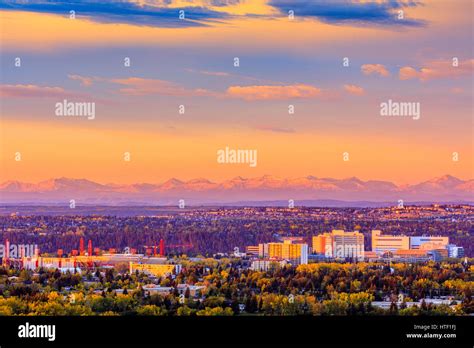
(282, 62)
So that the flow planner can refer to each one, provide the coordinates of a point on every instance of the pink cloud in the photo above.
(210, 73)
(139, 86)
(275, 129)
(84, 80)
(457, 90)
(353, 89)
(274, 92)
(33, 91)
(440, 69)
(377, 69)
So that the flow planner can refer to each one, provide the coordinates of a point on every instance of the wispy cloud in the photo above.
(299, 91)
(34, 91)
(440, 69)
(237, 76)
(137, 86)
(275, 129)
(353, 89)
(156, 14)
(210, 73)
(85, 81)
(382, 12)
(375, 69)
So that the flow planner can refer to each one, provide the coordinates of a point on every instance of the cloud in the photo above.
(209, 73)
(275, 129)
(353, 89)
(377, 69)
(299, 91)
(457, 90)
(214, 73)
(383, 12)
(155, 14)
(85, 81)
(223, 2)
(440, 69)
(33, 91)
(237, 76)
(137, 86)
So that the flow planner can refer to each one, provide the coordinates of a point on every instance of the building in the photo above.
(295, 253)
(319, 244)
(432, 246)
(455, 251)
(405, 248)
(194, 290)
(416, 242)
(265, 265)
(340, 244)
(411, 255)
(292, 240)
(346, 244)
(370, 256)
(156, 270)
(49, 262)
(438, 254)
(252, 250)
(383, 243)
(152, 289)
(262, 250)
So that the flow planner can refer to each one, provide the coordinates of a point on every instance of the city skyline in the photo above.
(304, 165)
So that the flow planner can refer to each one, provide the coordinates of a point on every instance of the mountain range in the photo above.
(266, 188)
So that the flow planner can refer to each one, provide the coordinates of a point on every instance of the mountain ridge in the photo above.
(263, 188)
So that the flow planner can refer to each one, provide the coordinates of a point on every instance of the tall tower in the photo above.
(162, 247)
(81, 246)
(89, 248)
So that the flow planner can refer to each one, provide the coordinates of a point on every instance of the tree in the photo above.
(216, 311)
(150, 310)
(251, 305)
(184, 311)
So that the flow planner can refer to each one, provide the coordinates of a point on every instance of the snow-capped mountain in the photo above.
(265, 188)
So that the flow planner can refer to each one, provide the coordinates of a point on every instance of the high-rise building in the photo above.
(296, 253)
(319, 244)
(347, 244)
(383, 243)
(340, 244)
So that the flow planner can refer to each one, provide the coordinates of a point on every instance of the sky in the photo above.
(289, 52)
